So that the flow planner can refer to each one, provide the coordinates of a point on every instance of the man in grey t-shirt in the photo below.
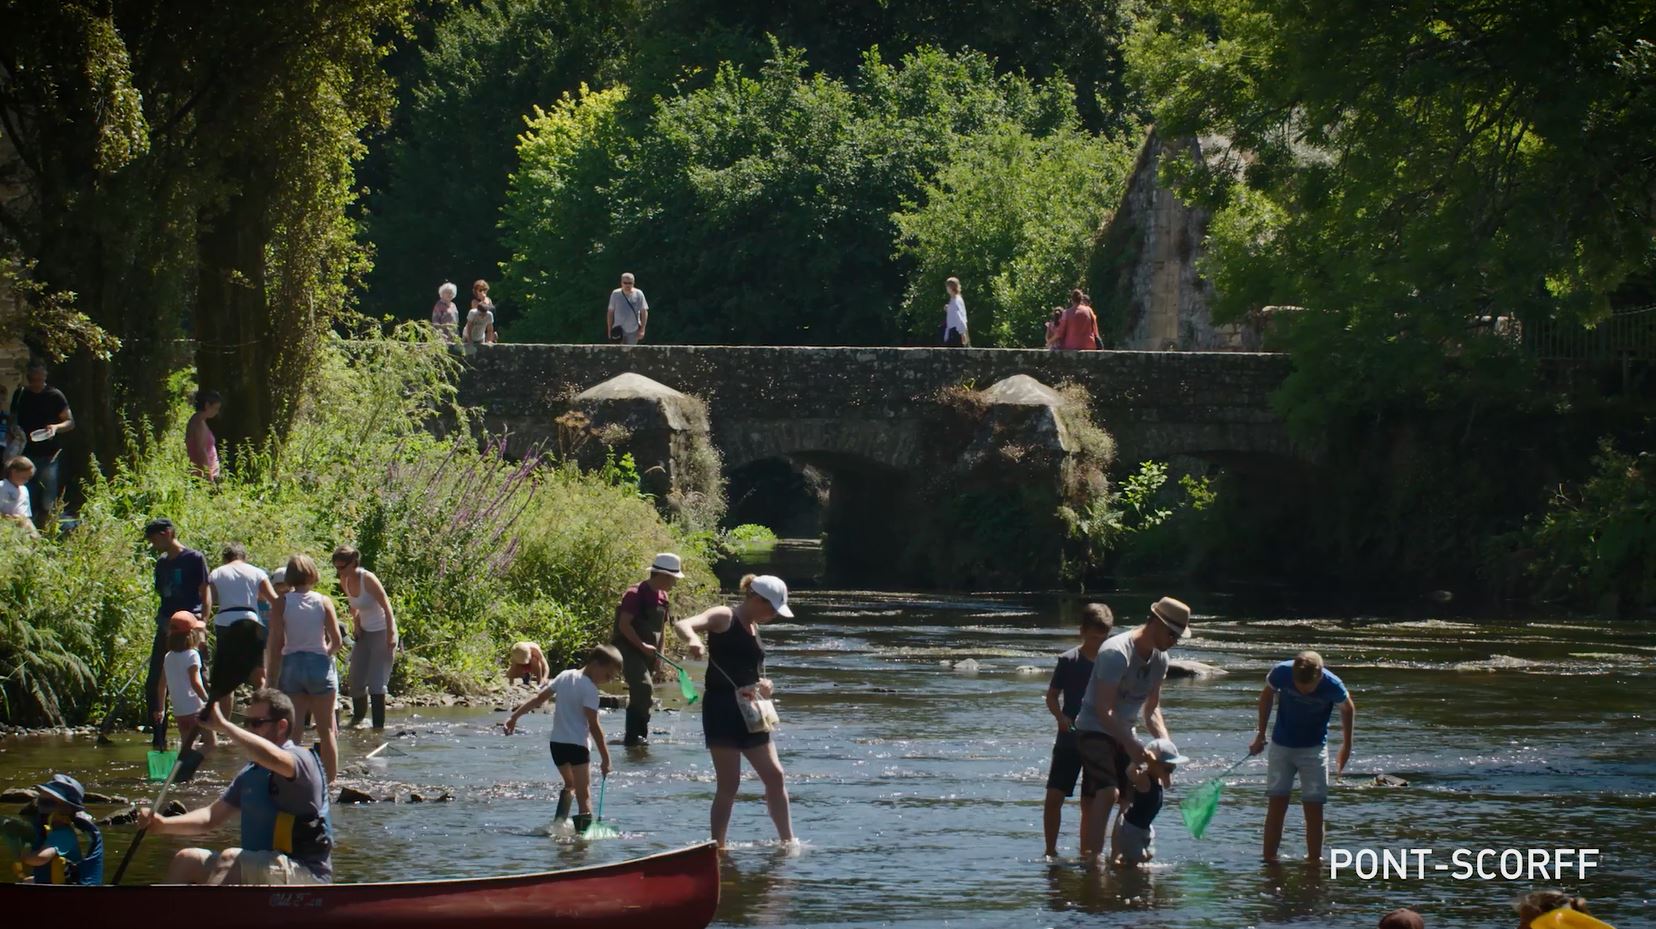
(628, 313)
(1126, 684)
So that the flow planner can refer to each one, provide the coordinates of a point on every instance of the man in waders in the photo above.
(638, 624)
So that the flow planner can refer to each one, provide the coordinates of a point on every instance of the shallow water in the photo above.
(917, 788)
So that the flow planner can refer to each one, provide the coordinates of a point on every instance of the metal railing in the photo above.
(1627, 335)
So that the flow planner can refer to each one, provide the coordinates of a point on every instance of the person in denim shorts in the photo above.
(1305, 694)
(303, 640)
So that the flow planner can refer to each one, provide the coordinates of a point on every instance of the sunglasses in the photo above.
(256, 721)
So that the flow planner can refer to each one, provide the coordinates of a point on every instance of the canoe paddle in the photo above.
(182, 770)
(686, 686)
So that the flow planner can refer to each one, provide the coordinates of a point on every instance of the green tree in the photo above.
(452, 149)
(763, 204)
(186, 167)
(1015, 218)
(1408, 174)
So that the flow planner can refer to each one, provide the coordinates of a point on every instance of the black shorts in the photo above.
(1067, 767)
(1102, 760)
(723, 725)
(238, 649)
(564, 753)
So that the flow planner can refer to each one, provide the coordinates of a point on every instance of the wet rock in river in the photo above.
(416, 797)
(1028, 670)
(1199, 670)
(128, 815)
(1389, 780)
(967, 666)
(174, 808)
(353, 795)
(18, 795)
(92, 796)
(612, 701)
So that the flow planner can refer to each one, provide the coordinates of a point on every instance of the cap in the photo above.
(65, 790)
(1164, 751)
(279, 576)
(1404, 918)
(667, 563)
(184, 621)
(775, 592)
(157, 525)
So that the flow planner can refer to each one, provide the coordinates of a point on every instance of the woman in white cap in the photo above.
(639, 622)
(736, 673)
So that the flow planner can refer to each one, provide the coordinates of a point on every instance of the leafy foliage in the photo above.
(765, 200)
(1598, 539)
(1017, 216)
(476, 552)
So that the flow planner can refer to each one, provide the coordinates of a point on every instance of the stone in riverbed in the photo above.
(18, 795)
(128, 815)
(1199, 670)
(1389, 780)
(352, 795)
(1029, 670)
(92, 796)
(416, 797)
(612, 701)
(967, 666)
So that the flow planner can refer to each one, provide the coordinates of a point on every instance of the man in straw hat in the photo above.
(638, 624)
(1126, 684)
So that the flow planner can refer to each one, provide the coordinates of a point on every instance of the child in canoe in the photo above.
(1134, 842)
(575, 727)
(59, 855)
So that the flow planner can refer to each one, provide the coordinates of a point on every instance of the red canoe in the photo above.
(672, 890)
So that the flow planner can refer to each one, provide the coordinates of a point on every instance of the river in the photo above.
(917, 788)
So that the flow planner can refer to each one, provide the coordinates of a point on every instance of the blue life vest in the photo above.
(265, 828)
(72, 865)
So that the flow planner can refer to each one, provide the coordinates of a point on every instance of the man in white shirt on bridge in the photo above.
(628, 313)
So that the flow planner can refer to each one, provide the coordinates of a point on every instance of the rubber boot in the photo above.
(638, 728)
(377, 701)
(582, 822)
(359, 709)
(565, 798)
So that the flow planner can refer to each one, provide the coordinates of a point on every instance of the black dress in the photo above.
(740, 656)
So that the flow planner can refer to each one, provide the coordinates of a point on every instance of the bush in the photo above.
(751, 534)
(765, 200)
(475, 551)
(1597, 541)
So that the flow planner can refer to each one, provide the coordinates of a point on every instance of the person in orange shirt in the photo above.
(1077, 330)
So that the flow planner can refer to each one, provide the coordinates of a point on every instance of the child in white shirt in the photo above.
(575, 727)
(182, 678)
(14, 492)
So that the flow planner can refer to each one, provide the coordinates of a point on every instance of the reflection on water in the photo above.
(918, 789)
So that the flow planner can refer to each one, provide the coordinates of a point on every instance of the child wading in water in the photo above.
(1134, 841)
(182, 678)
(1069, 685)
(574, 719)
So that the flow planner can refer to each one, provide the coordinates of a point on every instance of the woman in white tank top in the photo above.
(374, 631)
(304, 637)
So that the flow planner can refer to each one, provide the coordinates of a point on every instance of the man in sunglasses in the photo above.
(1125, 685)
(282, 797)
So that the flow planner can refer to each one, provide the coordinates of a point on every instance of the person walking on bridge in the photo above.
(954, 316)
(639, 622)
(627, 314)
(1077, 329)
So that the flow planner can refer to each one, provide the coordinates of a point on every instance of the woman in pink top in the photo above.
(199, 440)
(1077, 331)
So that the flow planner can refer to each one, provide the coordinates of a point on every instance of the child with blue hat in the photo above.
(1135, 839)
(60, 856)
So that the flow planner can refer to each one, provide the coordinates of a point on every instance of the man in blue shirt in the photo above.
(1305, 694)
(180, 584)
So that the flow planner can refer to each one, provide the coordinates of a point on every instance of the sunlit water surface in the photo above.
(917, 788)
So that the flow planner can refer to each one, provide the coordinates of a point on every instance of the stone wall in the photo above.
(1144, 279)
(868, 403)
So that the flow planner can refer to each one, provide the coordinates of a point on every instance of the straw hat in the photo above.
(667, 563)
(1173, 612)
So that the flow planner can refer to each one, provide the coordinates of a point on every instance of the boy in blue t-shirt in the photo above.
(1305, 694)
(1063, 700)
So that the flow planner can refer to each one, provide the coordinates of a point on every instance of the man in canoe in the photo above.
(282, 796)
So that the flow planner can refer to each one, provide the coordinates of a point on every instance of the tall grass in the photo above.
(475, 551)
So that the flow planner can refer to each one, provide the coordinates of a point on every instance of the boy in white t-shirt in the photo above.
(14, 493)
(575, 727)
(182, 678)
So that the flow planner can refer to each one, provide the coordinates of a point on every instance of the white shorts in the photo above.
(1311, 764)
(272, 869)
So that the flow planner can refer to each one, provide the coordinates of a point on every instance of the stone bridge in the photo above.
(859, 445)
(870, 404)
